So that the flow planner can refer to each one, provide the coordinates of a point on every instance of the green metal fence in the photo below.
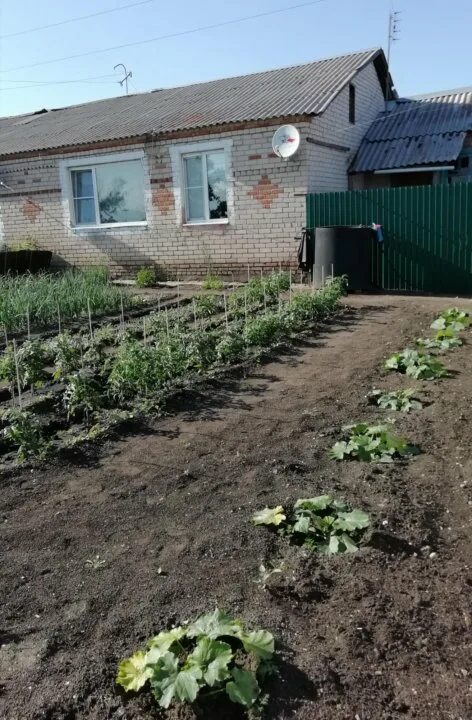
(427, 233)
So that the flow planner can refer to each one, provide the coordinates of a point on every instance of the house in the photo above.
(185, 178)
(417, 141)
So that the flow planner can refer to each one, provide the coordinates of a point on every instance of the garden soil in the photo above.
(102, 551)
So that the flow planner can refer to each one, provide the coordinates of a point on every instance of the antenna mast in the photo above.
(393, 32)
(124, 81)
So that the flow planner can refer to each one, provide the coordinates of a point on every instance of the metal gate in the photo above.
(427, 233)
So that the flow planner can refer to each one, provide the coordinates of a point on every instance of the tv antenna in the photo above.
(124, 81)
(393, 33)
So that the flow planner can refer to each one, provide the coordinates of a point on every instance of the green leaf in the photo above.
(214, 625)
(333, 544)
(259, 642)
(164, 640)
(169, 683)
(350, 545)
(317, 503)
(269, 516)
(302, 525)
(338, 451)
(133, 672)
(354, 520)
(244, 688)
(213, 658)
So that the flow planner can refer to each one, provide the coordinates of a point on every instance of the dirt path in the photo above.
(382, 635)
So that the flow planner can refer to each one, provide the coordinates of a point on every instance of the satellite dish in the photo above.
(286, 141)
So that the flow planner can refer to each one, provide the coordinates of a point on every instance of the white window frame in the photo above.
(178, 153)
(89, 163)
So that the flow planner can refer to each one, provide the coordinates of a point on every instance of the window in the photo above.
(108, 193)
(352, 104)
(205, 186)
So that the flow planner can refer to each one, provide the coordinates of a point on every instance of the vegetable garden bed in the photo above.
(156, 531)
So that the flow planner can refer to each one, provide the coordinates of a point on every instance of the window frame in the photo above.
(90, 162)
(206, 201)
(199, 147)
(352, 103)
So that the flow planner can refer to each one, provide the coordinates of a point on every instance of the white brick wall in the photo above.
(261, 233)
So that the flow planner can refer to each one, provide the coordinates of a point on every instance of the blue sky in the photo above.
(433, 51)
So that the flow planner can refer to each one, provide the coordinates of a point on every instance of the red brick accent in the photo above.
(272, 155)
(164, 199)
(255, 157)
(31, 210)
(161, 181)
(29, 192)
(265, 192)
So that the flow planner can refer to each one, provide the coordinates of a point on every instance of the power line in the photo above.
(170, 35)
(75, 19)
(61, 82)
(41, 85)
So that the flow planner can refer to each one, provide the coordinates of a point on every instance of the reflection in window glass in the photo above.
(114, 191)
(205, 186)
(120, 192)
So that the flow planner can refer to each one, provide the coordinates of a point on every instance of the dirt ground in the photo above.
(384, 634)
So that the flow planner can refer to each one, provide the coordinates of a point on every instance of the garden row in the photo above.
(216, 654)
(76, 387)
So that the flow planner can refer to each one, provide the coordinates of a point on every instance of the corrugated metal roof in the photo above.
(417, 131)
(299, 90)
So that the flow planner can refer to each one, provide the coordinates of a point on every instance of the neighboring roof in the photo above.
(299, 90)
(426, 130)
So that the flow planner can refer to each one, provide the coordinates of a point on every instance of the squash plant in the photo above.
(416, 364)
(452, 318)
(444, 339)
(212, 655)
(320, 523)
(402, 400)
(371, 443)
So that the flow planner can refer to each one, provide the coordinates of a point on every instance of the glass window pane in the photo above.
(82, 183)
(193, 171)
(195, 204)
(85, 211)
(216, 170)
(120, 188)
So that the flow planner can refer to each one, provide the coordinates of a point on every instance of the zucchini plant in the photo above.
(371, 443)
(444, 339)
(212, 655)
(402, 400)
(452, 318)
(320, 523)
(416, 364)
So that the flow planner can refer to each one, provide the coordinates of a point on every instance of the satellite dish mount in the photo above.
(286, 141)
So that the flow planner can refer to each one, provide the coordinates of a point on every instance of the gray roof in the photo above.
(426, 130)
(299, 90)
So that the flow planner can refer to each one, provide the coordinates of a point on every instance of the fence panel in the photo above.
(427, 233)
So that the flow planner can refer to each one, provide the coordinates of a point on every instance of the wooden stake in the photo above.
(322, 276)
(28, 323)
(122, 314)
(332, 271)
(248, 272)
(290, 286)
(90, 320)
(144, 329)
(194, 313)
(6, 335)
(178, 291)
(245, 306)
(59, 318)
(167, 323)
(226, 311)
(17, 373)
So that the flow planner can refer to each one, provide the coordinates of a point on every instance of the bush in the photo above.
(146, 277)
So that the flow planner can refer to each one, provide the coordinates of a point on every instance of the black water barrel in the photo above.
(346, 250)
